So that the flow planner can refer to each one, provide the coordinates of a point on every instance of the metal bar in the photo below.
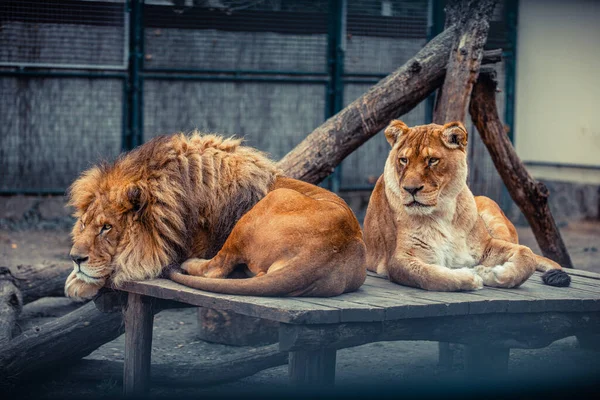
(232, 78)
(509, 56)
(64, 74)
(510, 61)
(361, 81)
(357, 188)
(336, 47)
(232, 71)
(60, 66)
(435, 27)
(134, 135)
(45, 191)
(560, 165)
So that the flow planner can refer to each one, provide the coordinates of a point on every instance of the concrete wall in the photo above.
(557, 97)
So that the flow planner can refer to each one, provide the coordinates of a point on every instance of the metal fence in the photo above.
(83, 80)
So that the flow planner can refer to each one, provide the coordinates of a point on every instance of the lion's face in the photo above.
(96, 237)
(427, 164)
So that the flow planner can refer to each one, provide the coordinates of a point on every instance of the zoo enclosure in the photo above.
(83, 80)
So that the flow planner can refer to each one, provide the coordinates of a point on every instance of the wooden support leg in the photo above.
(138, 345)
(446, 355)
(485, 362)
(316, 368)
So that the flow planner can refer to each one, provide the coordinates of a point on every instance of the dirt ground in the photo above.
(389, 368)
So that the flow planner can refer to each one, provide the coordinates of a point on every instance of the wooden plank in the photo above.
(315, 368)
(276, 309)
(506, 330)
(350, 310)
(138, 345)
(585, 274)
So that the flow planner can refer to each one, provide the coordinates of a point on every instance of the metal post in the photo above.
(335, 62)
(133, 117)
(435, 26)
(511, 8)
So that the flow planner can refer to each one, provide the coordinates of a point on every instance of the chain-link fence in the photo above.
(82, 80)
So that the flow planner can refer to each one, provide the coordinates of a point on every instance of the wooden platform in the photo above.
(489, 321)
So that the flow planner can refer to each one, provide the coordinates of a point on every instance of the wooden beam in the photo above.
(202, 373)
(471, 17)
(490, 330)
(529, 195)
(314, 369)
(138, 345)
(321, 151)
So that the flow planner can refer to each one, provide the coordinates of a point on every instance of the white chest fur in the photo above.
(438, 243)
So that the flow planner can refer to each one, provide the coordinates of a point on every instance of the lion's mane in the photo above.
(169, 192)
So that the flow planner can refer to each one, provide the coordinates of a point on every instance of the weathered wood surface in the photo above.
(322, 150)
(380, 300)
(472, 21)
(226, 369)
(59, 342)
(41, 280)
(139, 318)
(314, 368)
(495, 330)
(531, 196)
(11, 304)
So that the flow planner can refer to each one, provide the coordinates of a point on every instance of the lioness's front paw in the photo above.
(469, 279)
(195, 266)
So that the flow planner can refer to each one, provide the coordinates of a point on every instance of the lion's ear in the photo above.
(395, 129)
(132, 198)
(454, 135)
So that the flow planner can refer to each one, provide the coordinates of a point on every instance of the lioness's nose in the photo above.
(78, 258)
(412, 189)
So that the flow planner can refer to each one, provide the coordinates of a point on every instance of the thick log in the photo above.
(531, 196)
(59, 342)
(41, 280)
(11, 304)
(228, 368)
(471, 17)
(321, 151)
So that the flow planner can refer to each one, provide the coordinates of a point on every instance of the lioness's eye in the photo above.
(403, 160)
(105, 228)
(433, 161)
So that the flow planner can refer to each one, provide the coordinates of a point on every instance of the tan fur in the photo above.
(179, 196)
(424, 228)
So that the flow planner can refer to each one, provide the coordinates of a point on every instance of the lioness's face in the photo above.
(95, 240)
(427, 164)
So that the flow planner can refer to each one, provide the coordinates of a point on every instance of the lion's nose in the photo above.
(412, 189)
(78, 258)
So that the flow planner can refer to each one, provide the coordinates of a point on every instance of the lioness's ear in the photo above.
(395, 129)
(454, 135)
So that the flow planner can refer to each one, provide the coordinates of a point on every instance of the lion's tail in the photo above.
(283, 282)
(553, 273)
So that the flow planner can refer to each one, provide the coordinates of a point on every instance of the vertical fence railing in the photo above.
(335, 62)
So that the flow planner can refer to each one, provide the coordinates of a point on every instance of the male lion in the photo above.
(225, 205)
(424, 228)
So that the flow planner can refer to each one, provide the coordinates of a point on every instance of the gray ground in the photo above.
(386, 365)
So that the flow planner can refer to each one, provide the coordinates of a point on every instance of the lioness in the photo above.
(220, 206)
(424, 228)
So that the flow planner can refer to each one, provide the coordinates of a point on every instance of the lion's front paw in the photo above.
(79, 290)
(469, 279)
(195, 266)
